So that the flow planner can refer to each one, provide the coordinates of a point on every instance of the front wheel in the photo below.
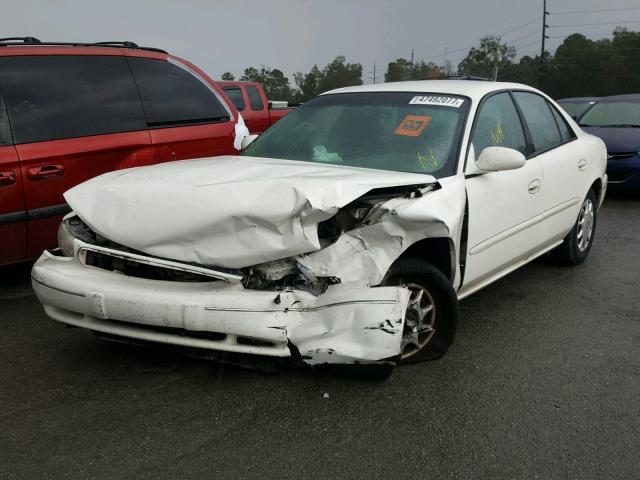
(577, 244)
(432, 313)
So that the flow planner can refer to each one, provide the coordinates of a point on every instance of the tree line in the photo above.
(579, 67)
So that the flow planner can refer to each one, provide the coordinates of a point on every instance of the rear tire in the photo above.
(577, 244)
(432, 315)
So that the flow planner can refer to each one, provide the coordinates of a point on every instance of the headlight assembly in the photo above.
(65, 240)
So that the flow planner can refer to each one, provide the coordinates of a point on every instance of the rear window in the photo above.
(235, 95)
(255, 99)
(173, 96)
(56, 97)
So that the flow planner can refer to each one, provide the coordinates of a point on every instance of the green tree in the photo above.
(401, 70)
(483, 60)
(308, 84)
(525, 71)
(338, 73)
(275, 83)
(228, 76)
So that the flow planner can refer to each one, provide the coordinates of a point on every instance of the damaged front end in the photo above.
(323, 299)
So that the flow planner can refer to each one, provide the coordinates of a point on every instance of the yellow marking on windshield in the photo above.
(433, 158)
(498, 137)
(421, 159)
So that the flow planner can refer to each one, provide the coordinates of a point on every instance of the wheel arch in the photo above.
(438, 251)
(596, 186)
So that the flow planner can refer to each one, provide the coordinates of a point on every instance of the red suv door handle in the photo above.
(45, 172)
(7, 178)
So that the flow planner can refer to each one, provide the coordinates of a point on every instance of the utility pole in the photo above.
(411, 68)
(544, 37)
(373, 74)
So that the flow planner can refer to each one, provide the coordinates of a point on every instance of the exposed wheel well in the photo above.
(597, 189)
(436, 251)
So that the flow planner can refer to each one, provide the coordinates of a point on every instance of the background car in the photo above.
(69, 112)
(251, 101)
(616, 120)
(577, 106)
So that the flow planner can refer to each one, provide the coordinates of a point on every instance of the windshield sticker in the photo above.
(412, 125)
(437, 100)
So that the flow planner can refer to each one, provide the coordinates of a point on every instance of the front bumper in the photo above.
(349, 323)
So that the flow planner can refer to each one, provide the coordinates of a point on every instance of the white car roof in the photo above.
(474, 89)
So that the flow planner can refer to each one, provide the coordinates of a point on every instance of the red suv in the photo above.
(69, 112)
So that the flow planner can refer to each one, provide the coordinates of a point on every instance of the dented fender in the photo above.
(366, 253)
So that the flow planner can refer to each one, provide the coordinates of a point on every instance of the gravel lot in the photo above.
(542, 382)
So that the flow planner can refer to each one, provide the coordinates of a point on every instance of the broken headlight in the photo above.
(65, 239)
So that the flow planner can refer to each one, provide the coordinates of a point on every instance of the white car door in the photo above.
(564, 163)
(504, 207)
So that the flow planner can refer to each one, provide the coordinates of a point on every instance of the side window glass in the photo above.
(5, 129)
(539, 119)
(235, 95)
(64, 96)
(565, 130)
(172, 96)
(255, 100)
(498, 125)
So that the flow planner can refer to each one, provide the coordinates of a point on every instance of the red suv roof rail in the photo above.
(9, 41)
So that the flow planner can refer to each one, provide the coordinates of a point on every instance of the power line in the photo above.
(596, 11)
(525, 36)
(590, 24)
(520, 26)
(528, 44)
(583, 34)
(499, 35)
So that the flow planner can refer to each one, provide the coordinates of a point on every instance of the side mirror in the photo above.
(246, 141)
(497, 159)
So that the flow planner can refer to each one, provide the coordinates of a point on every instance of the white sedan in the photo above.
(346, 234)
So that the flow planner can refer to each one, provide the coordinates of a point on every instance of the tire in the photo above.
(438, 322)
(577, 244)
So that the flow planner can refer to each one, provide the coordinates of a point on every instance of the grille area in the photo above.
(135, 269)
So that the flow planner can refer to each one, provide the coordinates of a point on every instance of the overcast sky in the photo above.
(293, 35)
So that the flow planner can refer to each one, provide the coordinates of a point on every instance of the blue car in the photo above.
(616, 120)
(577, 106)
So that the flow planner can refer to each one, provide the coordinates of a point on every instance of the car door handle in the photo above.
(582, 164)
(534, 186)
(7, 178)
(45, 172)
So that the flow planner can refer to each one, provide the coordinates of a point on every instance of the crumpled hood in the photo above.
(225, 211)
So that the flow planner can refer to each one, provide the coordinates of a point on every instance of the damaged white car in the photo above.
(346, 234)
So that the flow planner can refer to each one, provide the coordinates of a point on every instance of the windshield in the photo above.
(575, 109)
(612, 113)
(404, 132)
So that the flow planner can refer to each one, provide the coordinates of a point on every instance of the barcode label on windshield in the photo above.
(437, 100)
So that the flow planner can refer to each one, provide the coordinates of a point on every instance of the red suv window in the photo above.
(171, 95)
(91, 95)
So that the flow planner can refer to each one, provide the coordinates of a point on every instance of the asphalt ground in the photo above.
(543, 381)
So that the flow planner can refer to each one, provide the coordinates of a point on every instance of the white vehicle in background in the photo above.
(346, 234)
